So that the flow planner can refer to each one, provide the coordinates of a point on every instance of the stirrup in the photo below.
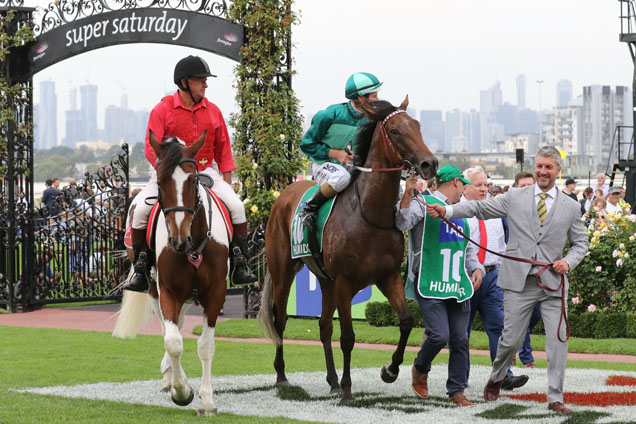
(308, 220)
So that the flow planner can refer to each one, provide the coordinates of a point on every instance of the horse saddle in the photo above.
(153, 219)
(300, 234)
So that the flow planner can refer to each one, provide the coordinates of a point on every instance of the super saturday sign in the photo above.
(132, 23)
(142, 25)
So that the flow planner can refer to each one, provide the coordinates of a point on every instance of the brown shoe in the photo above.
(530, 365)
(420, 383)
(460, 400)
(491, 391)
(559, 408)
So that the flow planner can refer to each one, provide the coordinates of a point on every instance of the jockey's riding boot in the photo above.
(309, 213)
(139, 281)
(241, 274)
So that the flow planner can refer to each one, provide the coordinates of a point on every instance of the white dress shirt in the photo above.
(549, 201)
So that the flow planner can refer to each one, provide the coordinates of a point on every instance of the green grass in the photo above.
(307, 329)
(39, 357)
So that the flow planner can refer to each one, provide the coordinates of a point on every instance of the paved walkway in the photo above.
(88, 318)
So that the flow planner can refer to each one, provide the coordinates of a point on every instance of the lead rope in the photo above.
(545, 266)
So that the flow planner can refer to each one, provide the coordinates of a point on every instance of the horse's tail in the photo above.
(133, 314)
(266, 314)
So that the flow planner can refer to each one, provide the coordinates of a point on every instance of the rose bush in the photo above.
(606, 278)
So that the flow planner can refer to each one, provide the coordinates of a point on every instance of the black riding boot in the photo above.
(309, 213)
(241, 275)
(139, 281)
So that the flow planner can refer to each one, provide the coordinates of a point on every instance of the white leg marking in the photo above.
(173, 343)
(206, 347)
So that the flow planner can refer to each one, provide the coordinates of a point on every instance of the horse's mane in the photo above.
(171, 154)
(364, 136)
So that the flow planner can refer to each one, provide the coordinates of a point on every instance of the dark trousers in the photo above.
(488, 300)
(446, 322)
(525, 353)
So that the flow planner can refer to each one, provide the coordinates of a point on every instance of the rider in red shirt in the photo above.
(185, 115)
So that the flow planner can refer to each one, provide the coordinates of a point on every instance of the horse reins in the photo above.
(389, 150)
(545, 266)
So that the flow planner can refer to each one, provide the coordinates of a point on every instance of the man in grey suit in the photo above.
(541, 219)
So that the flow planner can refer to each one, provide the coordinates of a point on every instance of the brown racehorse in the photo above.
(361, 245)
(189, 225)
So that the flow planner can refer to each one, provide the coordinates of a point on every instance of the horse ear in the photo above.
(193, 149)
(405, 103)
(154, 143)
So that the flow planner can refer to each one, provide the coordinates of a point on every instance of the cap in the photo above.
(614, 189)
(570, 181)
(448, 173)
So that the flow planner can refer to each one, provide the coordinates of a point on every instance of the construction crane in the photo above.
(625, 148)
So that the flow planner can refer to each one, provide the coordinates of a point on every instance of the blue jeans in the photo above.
(488, 300)
(446, 322)
(525, 353)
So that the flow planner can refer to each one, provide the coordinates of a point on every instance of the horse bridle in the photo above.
(197, 203)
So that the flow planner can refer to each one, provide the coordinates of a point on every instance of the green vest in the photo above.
(442, 271)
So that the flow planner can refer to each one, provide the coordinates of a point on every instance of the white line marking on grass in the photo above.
(255, 395)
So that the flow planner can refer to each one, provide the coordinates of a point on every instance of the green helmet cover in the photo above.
(361, 83)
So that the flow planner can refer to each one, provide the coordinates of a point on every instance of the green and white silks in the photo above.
(442, 273)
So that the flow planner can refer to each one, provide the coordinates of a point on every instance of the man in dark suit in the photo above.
(49, 197)
(586, 201)
(541, 220)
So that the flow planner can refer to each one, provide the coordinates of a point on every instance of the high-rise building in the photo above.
(88, 96)
(46, 122)
(489, 102)
(563, 128)
(564, 93)
(432, 129)
(508, 116)
(604, 110)
(521, 91)
(462, 130)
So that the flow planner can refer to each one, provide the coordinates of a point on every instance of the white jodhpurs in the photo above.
(333, 174)
(221, 188)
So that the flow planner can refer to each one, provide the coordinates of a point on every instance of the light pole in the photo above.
(540, 114)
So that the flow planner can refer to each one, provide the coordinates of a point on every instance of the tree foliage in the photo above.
(267, 131)
(14, 97)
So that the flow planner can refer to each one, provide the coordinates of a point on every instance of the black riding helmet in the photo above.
(188, 67)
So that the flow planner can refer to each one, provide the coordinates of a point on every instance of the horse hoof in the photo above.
(283, 383)
(187, 402)
(207, 412)
(387, 376)
(335, 391)
(166, 389)
(346, 401)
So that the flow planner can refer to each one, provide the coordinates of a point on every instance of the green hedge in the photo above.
(597, 325)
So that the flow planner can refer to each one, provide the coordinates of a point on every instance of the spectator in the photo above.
(600, 184)
(523, 179)
(496, 191)
(586, 201)
(421, 186)
(49, 198)
(613, 205)
(431, 186)
(599, 193)
(570, 186)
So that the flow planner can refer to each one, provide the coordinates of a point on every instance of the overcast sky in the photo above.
(439, 52)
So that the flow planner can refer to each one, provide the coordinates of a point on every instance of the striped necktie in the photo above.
(542, 209)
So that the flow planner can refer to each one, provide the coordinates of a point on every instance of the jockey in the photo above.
(186, 114)
(327, 139)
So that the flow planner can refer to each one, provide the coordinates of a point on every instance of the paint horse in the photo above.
(191, 249)
(361, 245)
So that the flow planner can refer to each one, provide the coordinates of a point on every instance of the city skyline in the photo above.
(421, 51)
